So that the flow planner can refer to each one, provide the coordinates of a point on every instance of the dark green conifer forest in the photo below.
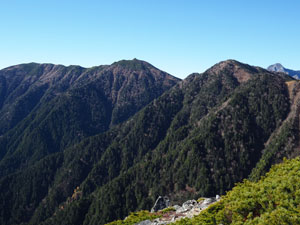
(89, 146)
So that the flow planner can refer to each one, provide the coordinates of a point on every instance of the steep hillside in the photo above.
(24, 86)
(285, 141)
(46, 108)
(198, 139)
(205, 157)
(125, 84)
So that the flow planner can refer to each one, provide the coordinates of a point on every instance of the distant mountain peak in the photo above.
(278, 64)
(277, 67)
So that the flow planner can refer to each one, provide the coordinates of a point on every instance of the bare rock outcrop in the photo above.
(188, 209)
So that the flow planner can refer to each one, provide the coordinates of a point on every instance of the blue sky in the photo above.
(179, 37)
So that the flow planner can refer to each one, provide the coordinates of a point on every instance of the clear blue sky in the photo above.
(179, 37)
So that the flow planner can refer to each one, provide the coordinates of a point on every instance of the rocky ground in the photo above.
(188, 209)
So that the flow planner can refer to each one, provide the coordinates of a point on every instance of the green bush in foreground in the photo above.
(274, 199)
(136, 217)
(166, 210)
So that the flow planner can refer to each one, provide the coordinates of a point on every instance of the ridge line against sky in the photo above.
(179, 37)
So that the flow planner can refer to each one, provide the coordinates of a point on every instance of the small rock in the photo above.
(176, 207)
(181, 210)
(145, 222)
(160, 203)
(206, 202)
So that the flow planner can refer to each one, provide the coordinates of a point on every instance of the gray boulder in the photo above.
(189, 204)
(186, 206)
(207, 201)
(145, 222)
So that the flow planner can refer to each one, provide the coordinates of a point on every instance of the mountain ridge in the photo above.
(198, 138)
(180, 123)
(62, 105)
(16, 80)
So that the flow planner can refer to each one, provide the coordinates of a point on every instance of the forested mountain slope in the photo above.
(197, 139)
(46, 108)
